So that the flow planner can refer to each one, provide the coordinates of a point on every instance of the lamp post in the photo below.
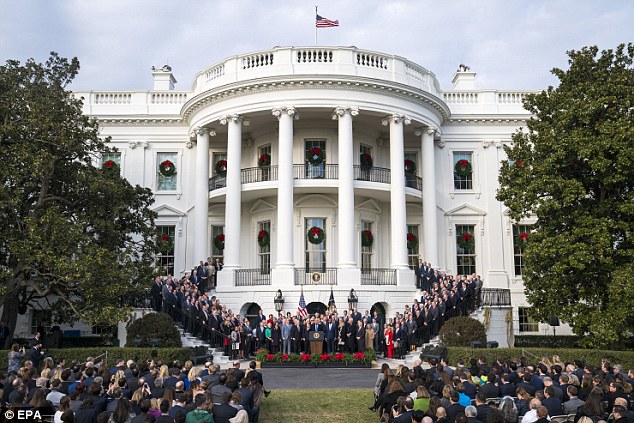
(279, 301)
(353, 300)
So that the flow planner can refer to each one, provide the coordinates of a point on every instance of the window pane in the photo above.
(115, 157)
(215, 252)
(166, 183)
(466, 257)
(526, 322)
(412, 253)
(315, 253)
(366, 252)
(315, 170)
(520, 237)
(264, 251)
(165, 257)
(463, 181)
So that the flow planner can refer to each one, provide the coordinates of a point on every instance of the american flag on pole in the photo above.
(322, 22)
(301, 310)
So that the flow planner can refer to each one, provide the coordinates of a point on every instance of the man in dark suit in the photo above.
(482, 407)
(217, 268)
(155, 291)
(525, 383)
(296, 335)
(201, 273)
(454, 408)
(331, 334)
(506, 387)
(552, 403)
(223, 412)
(405, 416)
(469, 388)
(490, 389)
(360, 336)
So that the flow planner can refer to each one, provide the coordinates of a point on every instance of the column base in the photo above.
(283, 277)
(225, 280)
(349, 277)
(405, 278)
(497, 279)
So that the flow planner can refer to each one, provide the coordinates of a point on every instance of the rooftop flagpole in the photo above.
(315, 23)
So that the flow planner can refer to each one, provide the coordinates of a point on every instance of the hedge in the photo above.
(593, 357)
(167, 355)
(546, 341)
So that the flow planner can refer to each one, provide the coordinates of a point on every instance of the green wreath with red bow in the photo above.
(110, 167)
(165, 243)
(466, 241)
(264, 160)
(315, 156)
(264, 238)
(412, 241)
(315, 235)
(366, 161)
(367, 239)
(221, 167)
(521, 239)
(410, 166)
(219, 241)
(463, 168)
(167, 168)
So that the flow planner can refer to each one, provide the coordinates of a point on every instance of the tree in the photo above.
(73, 237)
(573, 169)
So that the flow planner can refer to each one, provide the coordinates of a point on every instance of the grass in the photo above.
(327, 405)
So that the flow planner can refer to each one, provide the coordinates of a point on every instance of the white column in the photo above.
(398, 217)
(201, 196)
(430, 222)
(346, 233)
(284, 239)
(233, 198)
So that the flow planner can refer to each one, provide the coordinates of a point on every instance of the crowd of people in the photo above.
(507, 391)
(130, 392)
(443, 296)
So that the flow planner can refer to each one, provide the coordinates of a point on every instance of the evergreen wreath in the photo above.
(367, 239)
(167, 168)
(221, 167)
(463, 168)
(165, 244)
(315, 156)
(110, 167)
(264, 160)
(315, 235)
(466, 241)
(410, 167)
(412, 241)
(521, 239)
(366, 161)
(219, 241)
(264, 238)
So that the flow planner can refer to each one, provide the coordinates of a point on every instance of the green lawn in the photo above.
(318, 405)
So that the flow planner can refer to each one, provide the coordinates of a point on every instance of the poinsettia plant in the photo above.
(463, 168)
(219, 241)
(167, 168)
(315, 155)
(315, 235)
(367, 239)
(466, 241)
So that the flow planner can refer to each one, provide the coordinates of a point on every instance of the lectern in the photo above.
(316, 341)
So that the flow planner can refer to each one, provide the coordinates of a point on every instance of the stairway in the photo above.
(188, 340)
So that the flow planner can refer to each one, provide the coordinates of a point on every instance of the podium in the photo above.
(316, 341)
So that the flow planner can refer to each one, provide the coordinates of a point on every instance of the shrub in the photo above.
(461, 331)
(547, 341)
(154, 326)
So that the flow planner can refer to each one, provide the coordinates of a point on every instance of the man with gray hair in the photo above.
(531, 416)
(472, 413)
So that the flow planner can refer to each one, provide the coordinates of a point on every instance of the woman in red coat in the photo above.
(389, 342)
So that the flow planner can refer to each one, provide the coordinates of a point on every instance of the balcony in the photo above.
(495, 297)
(321, 171)
(253, 277)
(316, 276)
(378, 277)
(372, 174)
(258, 174)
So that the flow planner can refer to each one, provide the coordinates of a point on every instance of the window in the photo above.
(464, 178)
(315, 253)
(115, 157)
(527, 323)
(165, 257)
(465, 249)
(520, 237)
(317, 170)
(365, 172)
(265, 171)
(366, 251)
(264, 251)
(411, 177)
(165, 183)
(218, 180)
(412, 253)
(41, 316)
(215, 251)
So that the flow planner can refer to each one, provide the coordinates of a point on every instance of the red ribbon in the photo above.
(466, 237)
(315, 231)
(524, 237)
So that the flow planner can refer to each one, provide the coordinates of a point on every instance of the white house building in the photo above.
(288, 157)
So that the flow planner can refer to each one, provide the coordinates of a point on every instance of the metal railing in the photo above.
(378, 276)
(218, 181)
(321, 171)
(495, 297)
(258, 174)
(316, 276)
(252, 277)
(413, 181)
(372, 174)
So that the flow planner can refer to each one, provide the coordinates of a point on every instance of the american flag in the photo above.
(301, 310)
(325, 23)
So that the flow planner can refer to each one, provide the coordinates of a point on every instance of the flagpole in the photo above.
(316, 25)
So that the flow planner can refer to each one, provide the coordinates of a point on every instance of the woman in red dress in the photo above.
(389, 341)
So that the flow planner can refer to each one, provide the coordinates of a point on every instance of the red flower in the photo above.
(305, 357)
(165, 238)
(325, 357)
(359, 356)
(220, 237)
(339, 356)
(524, 237)
(270, 357)
(466, 237)
(284, 357)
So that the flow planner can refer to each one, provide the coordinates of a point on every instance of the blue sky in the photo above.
(511, 44)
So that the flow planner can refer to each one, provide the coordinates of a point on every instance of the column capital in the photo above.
(340, 111)
(396, 118)
(200, 130)
(291, 111)
(429, 130)
(234, 118)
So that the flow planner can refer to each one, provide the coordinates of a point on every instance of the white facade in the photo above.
(348, 101)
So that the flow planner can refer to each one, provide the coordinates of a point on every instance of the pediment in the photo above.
(262, 205)
(316, 200)
(466, 210)
(166, 210)
(370, 205)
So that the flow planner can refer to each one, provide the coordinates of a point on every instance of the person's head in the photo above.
(535, 403)
(422, 392)
(619, 412)
(471, 411)
(164, 407)
(122, 411)
(454, 397)
(418, 416)
(480, 398)
(549, 392)
(64, 403)
(542, 412)
(408, 403)
(222, 379)
(441, 412)
(68, 416)
(15, 347)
